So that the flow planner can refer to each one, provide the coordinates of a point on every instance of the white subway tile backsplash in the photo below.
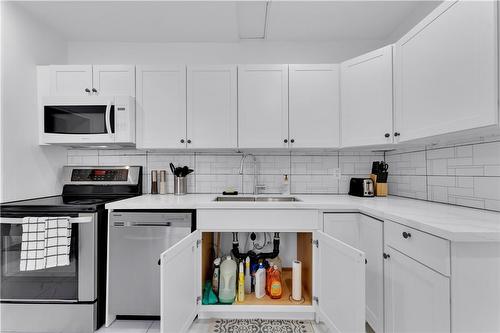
(319, 184)
(314, 165)
(411, 186)
(466, 174)
(487, 153)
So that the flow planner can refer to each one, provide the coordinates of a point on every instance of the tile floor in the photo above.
(148, 326)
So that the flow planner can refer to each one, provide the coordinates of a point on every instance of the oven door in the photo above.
(73, 283)
(78, 120)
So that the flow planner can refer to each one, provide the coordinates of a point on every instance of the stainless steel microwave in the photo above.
(88, 120)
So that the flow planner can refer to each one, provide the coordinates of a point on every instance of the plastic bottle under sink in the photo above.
(260, 282)
(227, 281)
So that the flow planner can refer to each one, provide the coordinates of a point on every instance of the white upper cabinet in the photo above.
(161, 107)
(367, 96)
(314, 106)
(114, 80)
(87, 80)
(263, 106)
(446, 71)
(212, 113)
(70, 80)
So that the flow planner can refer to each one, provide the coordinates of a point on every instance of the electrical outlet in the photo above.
(337, 174)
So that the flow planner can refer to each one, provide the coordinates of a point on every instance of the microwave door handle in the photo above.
(108, 118)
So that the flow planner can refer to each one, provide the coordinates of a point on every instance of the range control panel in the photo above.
(99, 175)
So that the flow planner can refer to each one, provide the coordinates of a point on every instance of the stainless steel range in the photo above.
(68, 298)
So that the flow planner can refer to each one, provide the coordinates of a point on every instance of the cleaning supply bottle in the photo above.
(260, 282)
(248, 277)
(285, 186)
(241, 283)
(227, 284)
(275, 288)
(216, 275)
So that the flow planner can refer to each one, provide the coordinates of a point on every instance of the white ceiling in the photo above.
(227, 21)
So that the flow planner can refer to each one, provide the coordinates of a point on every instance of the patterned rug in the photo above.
(260, 326)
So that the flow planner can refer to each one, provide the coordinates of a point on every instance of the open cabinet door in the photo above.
(341, 285)
(180, 284)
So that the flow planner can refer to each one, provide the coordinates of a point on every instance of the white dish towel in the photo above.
(45, 242)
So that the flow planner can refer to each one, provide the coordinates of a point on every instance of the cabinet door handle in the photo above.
(387, 135)
(397, 134)
(285, 141)
(87, 90)
(386, 256)
(366, 261)
(182, 141)
(292, 141)
(94, 90)
(406, 235)
(189, 141)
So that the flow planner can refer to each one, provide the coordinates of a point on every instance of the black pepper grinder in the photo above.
(154, 182)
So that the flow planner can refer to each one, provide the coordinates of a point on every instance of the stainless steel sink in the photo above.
(235, 198)
(260, 199)
(277, 199)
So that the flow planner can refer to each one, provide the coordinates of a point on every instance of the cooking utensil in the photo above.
(172, 167)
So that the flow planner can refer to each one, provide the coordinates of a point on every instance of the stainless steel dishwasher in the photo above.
(136, 240)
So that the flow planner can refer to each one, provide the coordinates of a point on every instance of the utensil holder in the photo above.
(381, 189)
(180, 185)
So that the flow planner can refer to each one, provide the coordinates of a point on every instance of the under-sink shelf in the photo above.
(285, 299)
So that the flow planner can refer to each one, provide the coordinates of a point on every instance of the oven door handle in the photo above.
(19, 220)
(108, 118)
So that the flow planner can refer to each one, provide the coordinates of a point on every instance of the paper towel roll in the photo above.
(297, 280)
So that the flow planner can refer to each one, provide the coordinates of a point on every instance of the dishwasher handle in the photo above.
(141, 224)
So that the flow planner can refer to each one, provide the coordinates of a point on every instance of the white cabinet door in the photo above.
(314, 106)
(366, 99)
(446, 71)
(212, 113)
(341, 285)
(114, 80)
(161, 107)
(180, 284)
(372, 244)
(417, 298)
(344, 227)
(263, 106)
(366, 234)
(70, 80)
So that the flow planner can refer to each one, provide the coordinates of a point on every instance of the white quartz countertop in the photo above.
(450, 222)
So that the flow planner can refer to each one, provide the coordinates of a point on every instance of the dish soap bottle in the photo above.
(227, 281)
(285, 187)
(260, 282)
(248, 277)
(275, 289)
(241, 284)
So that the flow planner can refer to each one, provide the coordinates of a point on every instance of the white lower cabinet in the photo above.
(333, 280)
(364, 233)
(417, 298)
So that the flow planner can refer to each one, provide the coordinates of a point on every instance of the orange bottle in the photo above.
(268, 279)
(275, 288)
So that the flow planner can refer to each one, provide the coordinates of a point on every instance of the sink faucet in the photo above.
(256, 186)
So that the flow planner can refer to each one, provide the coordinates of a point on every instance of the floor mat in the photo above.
(260, 326)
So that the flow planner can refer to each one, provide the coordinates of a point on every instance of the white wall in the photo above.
(217, 53)
(27, 170)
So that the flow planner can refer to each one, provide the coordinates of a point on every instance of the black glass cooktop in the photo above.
(59, 203)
